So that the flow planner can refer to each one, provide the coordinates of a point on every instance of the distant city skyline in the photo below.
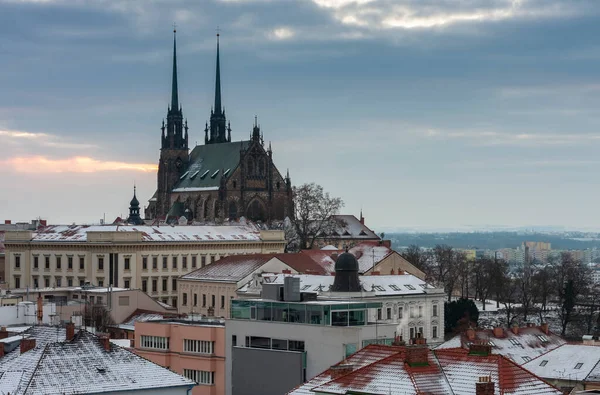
(424, 114)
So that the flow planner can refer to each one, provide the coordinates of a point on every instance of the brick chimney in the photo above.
(498, 331)
(27, 344)
(3, 333)
(341, 370)
(7, 222)
(1, 350)
(515, 329)
(470, 334)
(398, 341)
(286, 271)
(545, 328)
(481, 349)
(417, 355)
(485, 386)
(104, 339)
(419, 340)
(70, 327)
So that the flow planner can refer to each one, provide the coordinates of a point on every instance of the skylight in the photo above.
(491, 343)
(304, 288)
(542, 338)
(226, 172)
(184, 175)
(214, 174)
(526, 359)
(515, 342)
(378, 288)
(395, 287)
(194, 174)
(544, 362)
(204, 174)
(409, 287)
(579, 365)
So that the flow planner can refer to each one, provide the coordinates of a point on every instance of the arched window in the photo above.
(261, 167)
(232, 211)
(250, 167)
(256, 211)
(206, 210)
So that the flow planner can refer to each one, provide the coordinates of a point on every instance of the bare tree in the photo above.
(419, 257)
(571, 280)
(542, 289)
(97, 316)
(444, 272)
(313, 211)
(482, 278)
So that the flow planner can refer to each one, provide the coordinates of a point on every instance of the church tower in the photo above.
(134, 211)
(174, 155)
(219, 130)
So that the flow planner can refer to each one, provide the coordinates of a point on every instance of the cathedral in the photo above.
(221, 179)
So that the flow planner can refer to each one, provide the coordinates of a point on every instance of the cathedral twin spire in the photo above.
(219, 132)
(176, 136)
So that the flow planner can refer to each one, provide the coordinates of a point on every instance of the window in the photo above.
(154, 285)
(70, 263)
(156, 342)
(100, 263)
(515, 342)
(81, 282)
(434, 310)
(154, 262)
(47, 262)
(174, 262)
(394, 287)
(36, 262)
(434, 332)
(165, 284)
(184, 262)
(58, 263)
(145, 263)
(203, 300)
(544, 362)
(58, 281)
(212, 259)
(174, 284)
(412, 312)
(203, 260)
(100, 283)
(222, 301)
(194, 261)
(200, 376)
(126, 284)
(184, 302)
(389, 313)
(421, 331)
(17, 282)
(47, 282)
(296, 345)
(579, 365)
(165, 263)
(145, 285)
(420, 311)
(412, 333)
(212, 298)
(198, 346)
(378, 288)
(234, 340)
(126, 264)
(409, 287)
(526, 358)
(542, 338)
(400, 312)
(379, 314)
(305, 287)
(81, 263)
(17, 261)
(195, 299)
(35, 283)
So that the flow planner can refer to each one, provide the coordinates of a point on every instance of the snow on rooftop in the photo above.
(567, 362)
(192, 233)
(125, 343)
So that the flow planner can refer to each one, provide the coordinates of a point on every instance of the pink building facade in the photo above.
(194, 349)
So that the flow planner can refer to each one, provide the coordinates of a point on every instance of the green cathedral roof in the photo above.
(209, 162)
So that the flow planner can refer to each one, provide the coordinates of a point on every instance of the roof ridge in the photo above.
(591, 370)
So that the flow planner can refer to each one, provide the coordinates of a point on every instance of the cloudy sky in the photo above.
(434, 113)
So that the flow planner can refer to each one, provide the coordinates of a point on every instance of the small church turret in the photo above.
(134, 211)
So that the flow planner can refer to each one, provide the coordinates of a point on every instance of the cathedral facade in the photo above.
(219, 180)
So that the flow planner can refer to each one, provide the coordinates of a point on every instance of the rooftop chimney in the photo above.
(27, 344)
(104, 340)
(7, 222)
(417, 355)
(544, 328)
(1, 350)
(481, 349)
(470, 334)
(3, 333)
(40, 308)
(515, 329)
(498, 332)
(341, 370)
(70, 331)
(485, 386)
(398, 341)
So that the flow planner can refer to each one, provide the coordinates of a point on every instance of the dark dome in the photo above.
(346, 262)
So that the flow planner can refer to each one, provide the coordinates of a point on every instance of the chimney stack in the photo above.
(3, 333)
(485, 386)
(544, 328)
(104, 340)
(27, 344)
(7, 222)
(417, 354)
(515, 329)
(1, 350)
(70, 331)
(470, 334)
(498, 331)
(482, 349)
(40, 309)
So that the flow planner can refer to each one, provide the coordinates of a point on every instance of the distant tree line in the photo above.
(563, 284)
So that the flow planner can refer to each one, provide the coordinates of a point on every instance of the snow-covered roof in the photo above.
(574, 362)
(350, 227)
(378, 369)
(125, 343)
(191, 233)
(405, 284)
(81, 366)
(527, 344)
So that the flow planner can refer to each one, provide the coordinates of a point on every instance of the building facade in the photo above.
(221, 179)
(150, 258)
(193, 349)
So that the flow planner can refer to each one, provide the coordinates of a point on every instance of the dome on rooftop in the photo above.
(346, 262)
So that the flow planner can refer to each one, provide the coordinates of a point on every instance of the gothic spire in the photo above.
(174, 91)
(218, 107)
